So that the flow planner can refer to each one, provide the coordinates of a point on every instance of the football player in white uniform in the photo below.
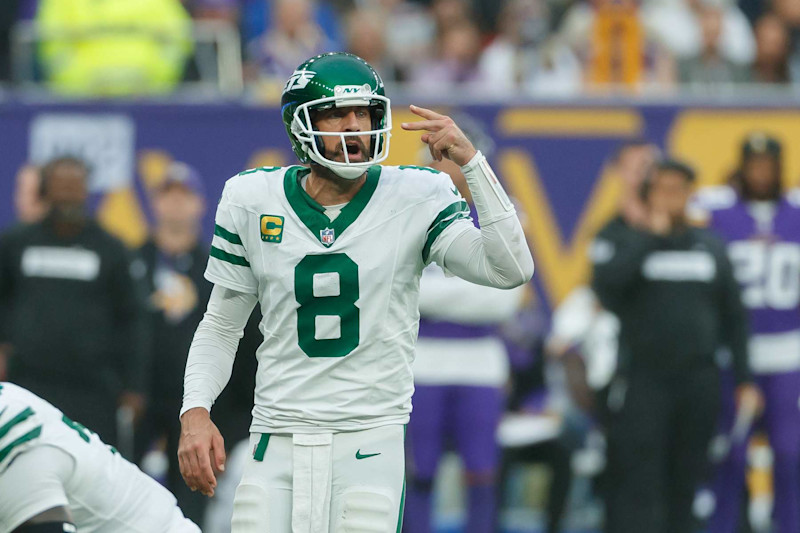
(333, 253)
(56, 476)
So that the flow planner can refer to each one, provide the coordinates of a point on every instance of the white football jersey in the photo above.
(340, 298)
(104, 491)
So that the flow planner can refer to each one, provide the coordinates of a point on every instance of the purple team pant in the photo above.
(781, 420)
(465, 417)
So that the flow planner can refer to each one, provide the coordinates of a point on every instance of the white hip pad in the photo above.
(250, 509)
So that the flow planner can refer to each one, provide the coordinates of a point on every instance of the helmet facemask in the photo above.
(311, 139)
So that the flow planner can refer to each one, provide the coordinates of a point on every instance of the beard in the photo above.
(69, 213)
(338, 151)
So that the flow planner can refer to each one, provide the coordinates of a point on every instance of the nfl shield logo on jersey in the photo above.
(326, 236)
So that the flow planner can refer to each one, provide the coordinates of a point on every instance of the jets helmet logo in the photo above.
(299, 80)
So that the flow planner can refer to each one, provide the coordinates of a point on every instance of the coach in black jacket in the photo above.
(672, 287)
(72, 309)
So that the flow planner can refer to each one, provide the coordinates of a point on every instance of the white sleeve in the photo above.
(213, 349)
(229, 261)
(497, 255)
(455, 300)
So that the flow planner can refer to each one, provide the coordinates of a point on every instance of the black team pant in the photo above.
(658, 442)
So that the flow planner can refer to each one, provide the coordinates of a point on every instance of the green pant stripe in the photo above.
(403, 494)
(23, 439)
(402, 507)
(229, 258)
(261, 447)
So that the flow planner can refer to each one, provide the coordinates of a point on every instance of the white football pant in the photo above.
(350, 482)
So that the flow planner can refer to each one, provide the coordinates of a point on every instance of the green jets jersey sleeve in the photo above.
(229, 261)
(450, 217)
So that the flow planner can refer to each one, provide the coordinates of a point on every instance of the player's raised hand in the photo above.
(201, 451)
(442, 135)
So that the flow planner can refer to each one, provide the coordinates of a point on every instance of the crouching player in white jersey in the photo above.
(56, 476)
(333, 254)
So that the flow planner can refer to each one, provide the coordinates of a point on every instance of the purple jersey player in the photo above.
(459, 373)
(762, 229)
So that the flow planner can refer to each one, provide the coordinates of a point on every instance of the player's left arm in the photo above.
(497, 255)
(736, 331)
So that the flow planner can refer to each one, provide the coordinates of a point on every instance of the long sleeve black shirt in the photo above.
(72, 309)
(675, 296)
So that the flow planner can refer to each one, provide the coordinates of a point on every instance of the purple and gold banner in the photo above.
(553, 159)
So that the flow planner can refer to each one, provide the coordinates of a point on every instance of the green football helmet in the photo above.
(336, 79)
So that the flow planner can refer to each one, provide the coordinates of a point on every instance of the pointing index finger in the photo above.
(425, 113)
(430, 125)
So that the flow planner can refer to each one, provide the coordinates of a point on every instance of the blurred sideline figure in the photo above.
(672, 287)
(67, 275)
(762, 229)
(116, 48)
(29, 207)
(175, 258)
(583, 334)
(57, 476)
(537, 427)
(460, 369)
(29, 204)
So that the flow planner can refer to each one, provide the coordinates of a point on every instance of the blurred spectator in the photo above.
(789, 12)
(411, 34)
(772, 55)
(677, 25)
(710, 68)
(258, 16)
(523, 56)
(673, 290)
(366, 38)
(455, 62)
(221, 10)
(8, 16)
(449, 13)
(114, 47)
(613, 45)
(460, 370)
(293, 37)
(29, 205)
(175, 258)
(74, 307)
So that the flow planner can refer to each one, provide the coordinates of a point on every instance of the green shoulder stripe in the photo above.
(32, 434)
(265, 169)
(455, 211)
(229, 258)
(227, 235)
(415, 167)
(22, 416)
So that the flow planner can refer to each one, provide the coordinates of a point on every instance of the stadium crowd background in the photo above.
(485, 49)
(445, 52)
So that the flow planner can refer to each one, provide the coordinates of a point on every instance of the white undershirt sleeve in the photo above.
(497, 255)
(213, 349)
(456, 300)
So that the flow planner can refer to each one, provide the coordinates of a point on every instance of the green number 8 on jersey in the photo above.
(326, 287)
